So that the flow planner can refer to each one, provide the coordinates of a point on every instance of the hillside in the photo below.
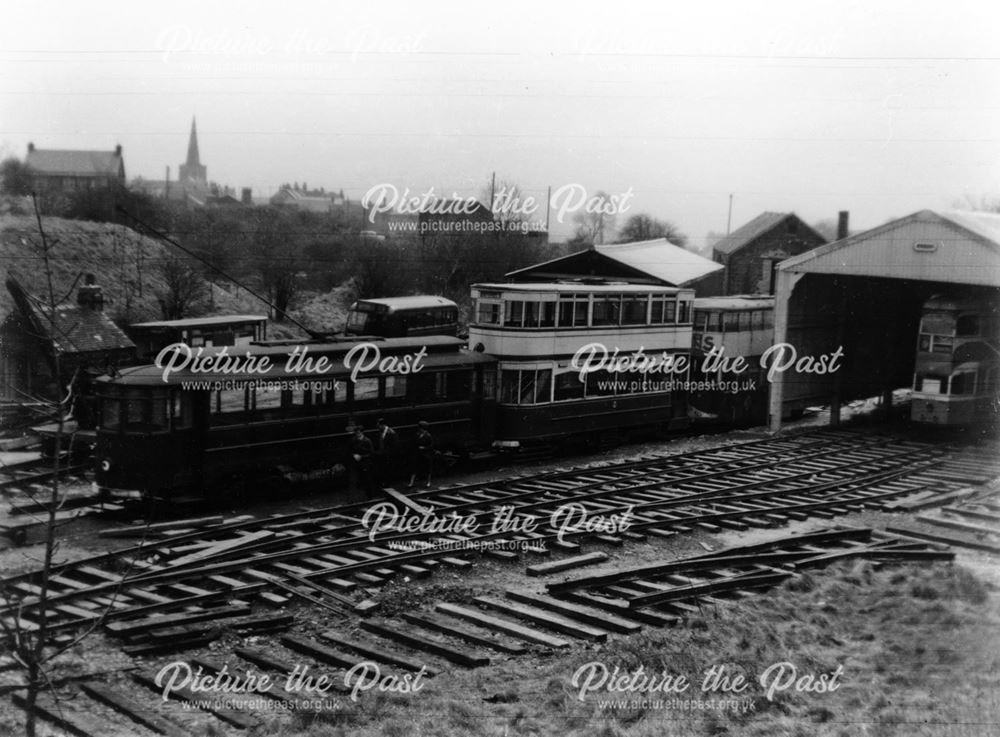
(129, 268)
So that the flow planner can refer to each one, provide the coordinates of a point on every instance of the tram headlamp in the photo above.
(105, 465)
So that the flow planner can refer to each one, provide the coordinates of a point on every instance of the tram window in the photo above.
(423, 387)
(135, 410)
(731, 322)
(514, 313)
(366, 389)
(266, 399)
(714, 324)
(458, 386)
(489, 313)
(489, 384)
(573, 310)
(526, 393)
(229, 400)
(942, 344)
(634, 310)
(543, 386)
(183, 411)
(967, 326)
(924, 343)
(918, 383)
(548, 315)
(508, 386)
(600, 384)
(669, 311)
(395, 387)
(158, 416)
(656, 311)
(684, 311)
(531, 314)
(111, 413)
(568, 386)
(933, 385)
(606, 310)
(963, 383)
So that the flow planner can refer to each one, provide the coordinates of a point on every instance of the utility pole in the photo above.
(493, 190)
(729, 220)
(548, 210)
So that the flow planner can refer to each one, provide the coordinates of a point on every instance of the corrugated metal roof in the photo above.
(662, 259)
(964, 248)
(74, 163)
(984, 224)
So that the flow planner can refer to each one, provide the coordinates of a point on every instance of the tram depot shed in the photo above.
(864, 294)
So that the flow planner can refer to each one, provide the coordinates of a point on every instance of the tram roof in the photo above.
(577, 287)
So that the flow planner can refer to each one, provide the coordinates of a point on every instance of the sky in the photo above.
(878, 108)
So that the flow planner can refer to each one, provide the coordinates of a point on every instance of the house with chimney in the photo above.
(57, 171)
(751, 253)
(78, 331)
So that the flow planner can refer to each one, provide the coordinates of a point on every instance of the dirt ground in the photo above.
(916, 647)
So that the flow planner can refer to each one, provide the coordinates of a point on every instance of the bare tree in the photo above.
(183, 288)
(596, 226)
(643, 227)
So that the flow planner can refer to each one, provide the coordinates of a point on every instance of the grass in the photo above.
(918, 647)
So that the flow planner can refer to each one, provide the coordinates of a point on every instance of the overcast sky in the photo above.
(878, 108)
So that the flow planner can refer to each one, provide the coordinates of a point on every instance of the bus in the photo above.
(400, 317)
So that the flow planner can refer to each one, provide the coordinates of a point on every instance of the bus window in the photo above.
(458, 384)
(731, 321)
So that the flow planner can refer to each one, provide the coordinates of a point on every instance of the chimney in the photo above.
(842, 219)
(118, 150)
(31, 147)
(245, 196)
(90, 295)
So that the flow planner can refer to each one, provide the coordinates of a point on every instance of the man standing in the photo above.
(424, 460)
(386, 444)
(362, 451)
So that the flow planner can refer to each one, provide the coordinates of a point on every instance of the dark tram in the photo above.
(211, 429)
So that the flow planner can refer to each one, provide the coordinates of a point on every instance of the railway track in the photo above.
(447, 636)
(182, 592)
(329, 555)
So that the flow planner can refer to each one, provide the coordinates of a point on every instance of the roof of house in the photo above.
(751, 231)
(75, 163)
(656, 260)
(74, 328)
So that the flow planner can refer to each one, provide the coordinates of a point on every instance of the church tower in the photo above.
(192, 171)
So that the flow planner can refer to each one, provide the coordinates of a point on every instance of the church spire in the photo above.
(192, 159)
(193, 172)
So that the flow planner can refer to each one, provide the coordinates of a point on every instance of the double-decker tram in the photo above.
(585, 360)
(216, 426)
(956, 378)
(727, 328)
